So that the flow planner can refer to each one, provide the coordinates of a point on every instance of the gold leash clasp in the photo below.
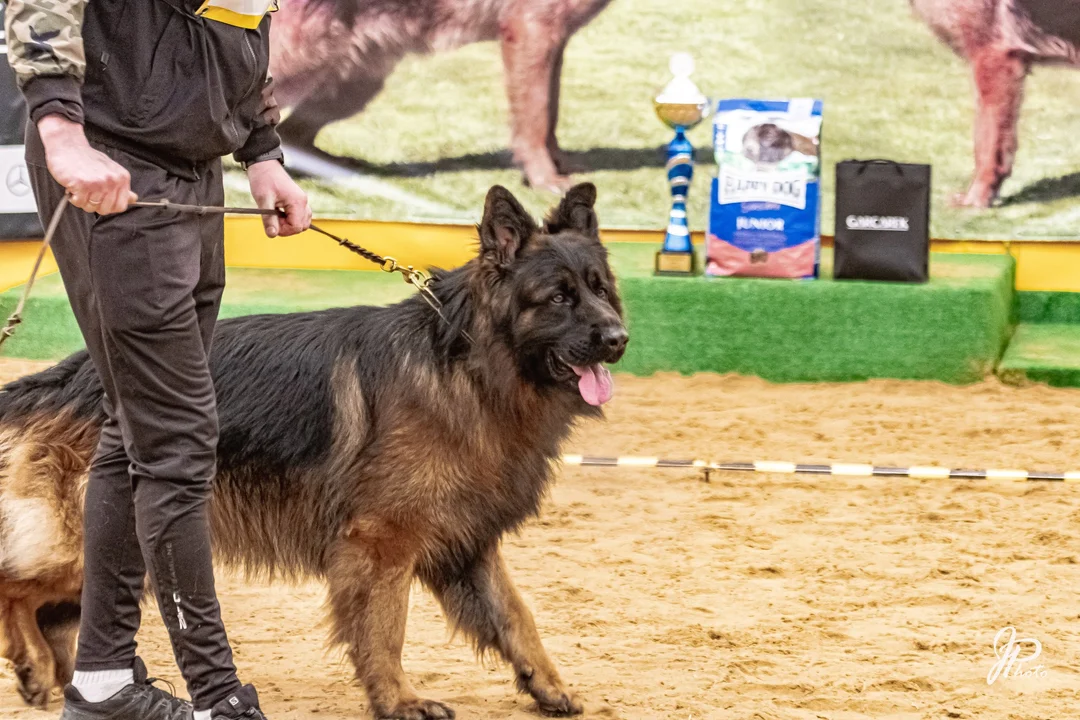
(411, 275)
(415, 277)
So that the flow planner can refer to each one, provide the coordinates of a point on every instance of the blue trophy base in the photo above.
(682, 264)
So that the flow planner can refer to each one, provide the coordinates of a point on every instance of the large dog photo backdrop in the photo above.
(410, 110)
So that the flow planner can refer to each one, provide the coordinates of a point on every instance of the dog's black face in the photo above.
(556, 304)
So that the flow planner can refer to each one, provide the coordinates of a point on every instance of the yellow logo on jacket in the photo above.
(241, 13)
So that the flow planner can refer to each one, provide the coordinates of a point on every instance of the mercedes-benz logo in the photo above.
(17, 181)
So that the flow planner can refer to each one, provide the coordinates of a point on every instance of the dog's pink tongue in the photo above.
(594, 383)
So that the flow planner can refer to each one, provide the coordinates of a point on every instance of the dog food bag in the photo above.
(765, 217)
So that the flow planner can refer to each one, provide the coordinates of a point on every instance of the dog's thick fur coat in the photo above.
(1002, 40)
(330, 58)
(366, 446)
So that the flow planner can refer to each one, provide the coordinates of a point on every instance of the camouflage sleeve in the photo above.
(45, 50)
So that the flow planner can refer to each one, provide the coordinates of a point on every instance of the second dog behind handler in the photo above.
(142, 98)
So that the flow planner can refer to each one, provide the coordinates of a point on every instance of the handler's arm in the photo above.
(271, 186)
(45, 49)
(263, 143)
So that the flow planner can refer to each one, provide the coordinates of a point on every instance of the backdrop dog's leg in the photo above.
(326, 105)
(483, 602)
(531, 50)
(369, 582)
(35, 668)
(999, 81)
(563, 164)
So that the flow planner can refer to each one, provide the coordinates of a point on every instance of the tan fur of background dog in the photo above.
(331, 57)
(1002, 40)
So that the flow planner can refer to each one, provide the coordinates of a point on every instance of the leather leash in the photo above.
(412, 276)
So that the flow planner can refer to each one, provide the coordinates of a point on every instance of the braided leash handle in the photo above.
(16, 317)
(350, 245)
(414, 277)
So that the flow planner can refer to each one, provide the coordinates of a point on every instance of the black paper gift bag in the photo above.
(882, 221)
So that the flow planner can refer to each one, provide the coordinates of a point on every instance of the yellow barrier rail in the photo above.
(1052, 266)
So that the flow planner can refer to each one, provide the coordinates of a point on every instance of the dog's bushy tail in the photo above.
(71, 385)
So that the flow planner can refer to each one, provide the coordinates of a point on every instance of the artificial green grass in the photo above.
(952, 329)
(1048, 307)
(439, 129)
(1048, 353)
(50, 332)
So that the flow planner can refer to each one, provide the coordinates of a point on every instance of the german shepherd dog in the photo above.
(331, 57)
(1002, 40)
(366, 446)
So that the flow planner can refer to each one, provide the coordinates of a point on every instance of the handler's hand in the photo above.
(93, 180)
(272, 187)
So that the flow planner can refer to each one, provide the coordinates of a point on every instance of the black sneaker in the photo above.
(140, 701)
(244, 703)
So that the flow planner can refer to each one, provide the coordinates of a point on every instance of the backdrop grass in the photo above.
(439, 129)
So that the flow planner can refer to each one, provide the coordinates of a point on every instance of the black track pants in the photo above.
(145, 286)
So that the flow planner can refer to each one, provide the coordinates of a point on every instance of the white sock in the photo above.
(202, 715)
(101, 685)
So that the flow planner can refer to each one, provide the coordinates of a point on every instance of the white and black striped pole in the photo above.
(919, 472)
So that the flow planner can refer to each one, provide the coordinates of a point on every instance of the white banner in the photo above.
(782, 188)
(15, 193)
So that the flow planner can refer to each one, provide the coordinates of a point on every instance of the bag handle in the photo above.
(880, 161)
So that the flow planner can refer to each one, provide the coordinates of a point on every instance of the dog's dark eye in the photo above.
(558, 298)
(601, 293)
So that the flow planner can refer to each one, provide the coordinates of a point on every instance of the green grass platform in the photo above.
(952, 329)
(1043, 352)
(1048, 307)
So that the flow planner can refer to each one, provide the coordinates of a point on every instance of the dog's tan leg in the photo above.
(10, 641)
(531, 50)
(59, 623)
(999, 81)
(35, 668)
(369, 580)
(483, 602)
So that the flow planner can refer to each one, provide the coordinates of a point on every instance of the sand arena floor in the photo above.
(756, 596)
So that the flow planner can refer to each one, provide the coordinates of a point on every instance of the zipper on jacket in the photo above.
(251, 87)
(254, 62)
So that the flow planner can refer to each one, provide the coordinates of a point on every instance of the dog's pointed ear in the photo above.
(505, 229)
(575, 212)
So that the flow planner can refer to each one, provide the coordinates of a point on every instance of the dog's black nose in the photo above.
(614, 339)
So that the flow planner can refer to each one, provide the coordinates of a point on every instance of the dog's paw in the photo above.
(552, 699)
(553, 184)
(563, 705)
(549, 181)
(973, 198)
(417, 709)
(31, 689)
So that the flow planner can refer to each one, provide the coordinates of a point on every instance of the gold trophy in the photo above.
(681, 106)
